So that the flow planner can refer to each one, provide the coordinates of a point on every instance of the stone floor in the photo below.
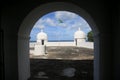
(69, 53)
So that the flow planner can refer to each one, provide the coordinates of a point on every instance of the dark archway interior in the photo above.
(49, 69)
(28, 23)
(13, 15)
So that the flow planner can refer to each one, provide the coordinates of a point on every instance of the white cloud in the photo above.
(42, 26)
(50, 22)
(64, 15)
(64, 25)
(75, 26)
(39, 23)
(39, 26)
(70, 21)
(42, 22)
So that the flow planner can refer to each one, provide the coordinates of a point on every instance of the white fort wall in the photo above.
(82, 44)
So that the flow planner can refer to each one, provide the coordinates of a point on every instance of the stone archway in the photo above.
(31, 19)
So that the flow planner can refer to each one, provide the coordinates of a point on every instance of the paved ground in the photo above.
(69, 53)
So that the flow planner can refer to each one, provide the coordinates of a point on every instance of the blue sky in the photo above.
(59, 25)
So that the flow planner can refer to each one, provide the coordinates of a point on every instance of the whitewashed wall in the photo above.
(83, 44)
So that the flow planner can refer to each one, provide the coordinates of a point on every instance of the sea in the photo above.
(57, 41)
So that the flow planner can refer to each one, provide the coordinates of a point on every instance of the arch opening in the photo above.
(61, 30)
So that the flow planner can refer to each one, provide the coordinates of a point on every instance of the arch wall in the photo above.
(31, 19)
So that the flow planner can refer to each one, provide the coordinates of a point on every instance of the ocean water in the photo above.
(57, 41)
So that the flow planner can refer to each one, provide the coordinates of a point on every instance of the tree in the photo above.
(90, 36)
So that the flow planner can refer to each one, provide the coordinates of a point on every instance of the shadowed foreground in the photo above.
(63, 63)
(52, 69)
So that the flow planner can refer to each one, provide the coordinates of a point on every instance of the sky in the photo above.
(59, 25)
